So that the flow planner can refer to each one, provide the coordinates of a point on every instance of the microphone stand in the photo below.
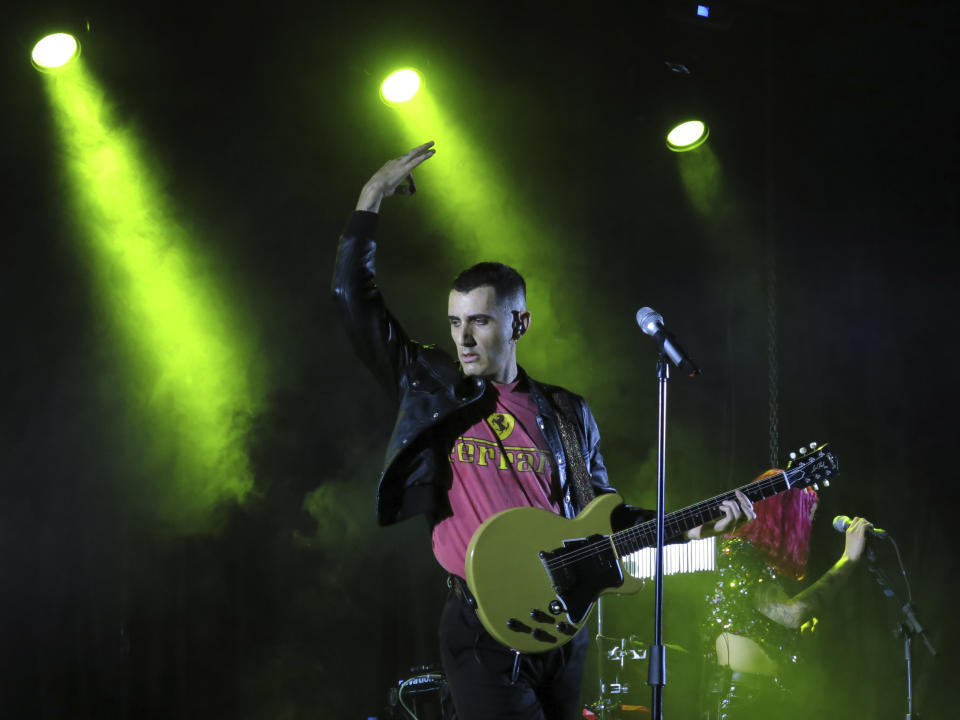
(910, 625)
(657, 667)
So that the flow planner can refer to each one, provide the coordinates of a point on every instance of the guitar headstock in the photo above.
(811, 466)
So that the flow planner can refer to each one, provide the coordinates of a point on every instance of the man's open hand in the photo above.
(394, 178)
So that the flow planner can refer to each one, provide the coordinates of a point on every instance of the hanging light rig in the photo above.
(688, 135)
(400, 86)
(55, 51)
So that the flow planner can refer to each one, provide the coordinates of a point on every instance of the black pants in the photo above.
(480, 671)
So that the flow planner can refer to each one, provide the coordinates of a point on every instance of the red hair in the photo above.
(781, 531)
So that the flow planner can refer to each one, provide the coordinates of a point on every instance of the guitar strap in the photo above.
(569, 438)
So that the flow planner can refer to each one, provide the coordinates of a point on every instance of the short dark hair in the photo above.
(505, 281)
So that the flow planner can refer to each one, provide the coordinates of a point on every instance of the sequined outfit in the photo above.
(744, 577)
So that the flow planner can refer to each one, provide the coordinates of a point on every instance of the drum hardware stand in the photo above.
(601, 704)
(621, 653)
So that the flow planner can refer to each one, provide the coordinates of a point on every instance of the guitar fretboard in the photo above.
(818, 466)
(675, 524)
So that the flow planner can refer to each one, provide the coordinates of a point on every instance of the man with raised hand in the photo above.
(475, 435)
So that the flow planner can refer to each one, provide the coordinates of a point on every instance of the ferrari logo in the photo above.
(502, 424)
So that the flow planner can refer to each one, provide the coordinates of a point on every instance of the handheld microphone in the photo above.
(842, 522)
(651, 322)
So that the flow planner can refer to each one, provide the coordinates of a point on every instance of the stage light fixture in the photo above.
(688, 135)
(400, 86)
(54, 51)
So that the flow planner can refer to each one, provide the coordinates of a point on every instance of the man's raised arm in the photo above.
(375, 334)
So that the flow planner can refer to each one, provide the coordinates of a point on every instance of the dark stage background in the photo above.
(835, 142)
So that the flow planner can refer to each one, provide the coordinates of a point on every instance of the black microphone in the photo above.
(651, 322)
(842, 522)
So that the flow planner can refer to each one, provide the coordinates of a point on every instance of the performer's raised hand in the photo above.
(394, 178)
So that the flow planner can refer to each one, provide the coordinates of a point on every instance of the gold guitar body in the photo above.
(517, 600)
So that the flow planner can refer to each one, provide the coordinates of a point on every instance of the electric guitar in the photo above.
(536, 575)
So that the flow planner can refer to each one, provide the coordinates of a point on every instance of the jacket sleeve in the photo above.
(595, 465)
(378, 339)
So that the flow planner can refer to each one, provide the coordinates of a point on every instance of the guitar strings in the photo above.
(640, 533)
(644, 534)
(645, 529)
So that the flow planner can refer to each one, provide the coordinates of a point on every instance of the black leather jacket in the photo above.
(432, 393)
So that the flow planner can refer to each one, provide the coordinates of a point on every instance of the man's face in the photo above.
(483, 331)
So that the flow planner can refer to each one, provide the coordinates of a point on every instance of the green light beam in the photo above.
(703, 182)
(185, 359)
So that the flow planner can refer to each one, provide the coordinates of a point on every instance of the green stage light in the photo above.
(400, 86)
(55, 51)
(687, 136)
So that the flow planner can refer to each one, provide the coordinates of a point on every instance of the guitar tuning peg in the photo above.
(826, 483)
(793, 456)
(813, 446)
(816, 487)
(803, 451)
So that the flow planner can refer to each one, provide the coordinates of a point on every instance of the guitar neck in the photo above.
(675, 524)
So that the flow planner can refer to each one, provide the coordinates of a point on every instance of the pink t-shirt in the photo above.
(501, 462)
